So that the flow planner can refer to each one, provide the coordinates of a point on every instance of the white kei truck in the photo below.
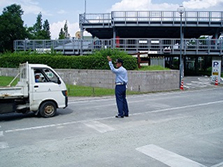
(39, 89)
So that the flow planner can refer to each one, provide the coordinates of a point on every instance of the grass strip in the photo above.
(74, 90)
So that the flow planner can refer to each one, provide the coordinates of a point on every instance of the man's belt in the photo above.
(120, 83)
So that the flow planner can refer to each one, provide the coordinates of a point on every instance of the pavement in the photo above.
(198, 82)
(177, 129)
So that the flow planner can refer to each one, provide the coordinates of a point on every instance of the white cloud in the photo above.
(130, 5)
(127, 5)
(28, 6)
(202, 4)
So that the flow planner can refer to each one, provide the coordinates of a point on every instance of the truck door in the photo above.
(46, 86)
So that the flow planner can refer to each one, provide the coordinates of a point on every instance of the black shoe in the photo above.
(126, 115)
(118, 116)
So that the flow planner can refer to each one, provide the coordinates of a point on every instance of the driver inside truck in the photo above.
(37, 78)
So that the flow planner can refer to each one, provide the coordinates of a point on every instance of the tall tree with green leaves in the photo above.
(46, 29)
(38, 25)
(67, 35)
(11, 27)
(39, 30)
(30, 33)
(62, 34)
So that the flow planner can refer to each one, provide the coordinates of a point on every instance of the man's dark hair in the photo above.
(119, 61)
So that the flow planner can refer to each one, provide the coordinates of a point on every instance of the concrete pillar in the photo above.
(196, 65)
(81, 42)
(114, 38)
(216, 36)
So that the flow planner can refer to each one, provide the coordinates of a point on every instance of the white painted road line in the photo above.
(169, 158)
(218, 165)
(1, 133)
(100, 127)
(3, 145)
(55, 125)
(105, 118)
(189, 106)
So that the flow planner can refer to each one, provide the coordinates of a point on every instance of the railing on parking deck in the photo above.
(152, 46)
(197, 17)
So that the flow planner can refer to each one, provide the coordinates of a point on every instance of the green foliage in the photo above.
(130, 63)
(67, 35)
(38, 25)
(64, 32)
(46, 29)
(11, 27)
(96, 61)
(39, 30)
(153, 68)
(14, 10)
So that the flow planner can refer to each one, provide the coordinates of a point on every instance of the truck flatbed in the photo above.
(10, 92)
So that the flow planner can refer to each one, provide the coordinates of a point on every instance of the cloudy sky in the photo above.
(58, 11)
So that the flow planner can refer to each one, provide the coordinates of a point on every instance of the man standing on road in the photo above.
(121, 81)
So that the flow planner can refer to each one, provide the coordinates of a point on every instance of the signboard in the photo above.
(216, 70)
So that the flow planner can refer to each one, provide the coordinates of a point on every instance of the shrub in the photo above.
(98, 60)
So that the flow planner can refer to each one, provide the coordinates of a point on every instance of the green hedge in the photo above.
(98, 60)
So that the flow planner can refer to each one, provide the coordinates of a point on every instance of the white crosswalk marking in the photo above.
(100, 127)
(169, 158)
(1, 133)
(198, 83)
(3, 145)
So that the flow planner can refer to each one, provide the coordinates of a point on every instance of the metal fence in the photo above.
(151, 16)
(152, 46)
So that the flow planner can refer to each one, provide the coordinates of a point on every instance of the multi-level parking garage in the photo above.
(152, 24)
(141, 29)
(154, 32)
(157, 31)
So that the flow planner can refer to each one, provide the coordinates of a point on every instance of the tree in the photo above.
(38, 25)
(67, 35)
(11, 27)
(62, 34)
(39, 30)
(30, 33)
(46, 29)
(14, 10)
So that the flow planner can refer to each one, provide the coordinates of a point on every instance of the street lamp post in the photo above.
(82, 30)
(181, 10)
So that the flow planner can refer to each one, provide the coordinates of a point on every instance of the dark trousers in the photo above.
(120, 94)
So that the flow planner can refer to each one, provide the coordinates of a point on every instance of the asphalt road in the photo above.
(195, 82)
(178, 129)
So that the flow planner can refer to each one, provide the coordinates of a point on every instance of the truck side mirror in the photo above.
(59, 82)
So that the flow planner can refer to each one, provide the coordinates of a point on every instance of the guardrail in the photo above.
(152, 46)
(160, 16)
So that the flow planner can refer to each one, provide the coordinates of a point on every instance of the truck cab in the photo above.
(40, 89)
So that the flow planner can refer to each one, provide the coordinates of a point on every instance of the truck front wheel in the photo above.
(48, 109)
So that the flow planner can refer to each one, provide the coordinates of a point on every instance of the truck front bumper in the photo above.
(66, 97)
